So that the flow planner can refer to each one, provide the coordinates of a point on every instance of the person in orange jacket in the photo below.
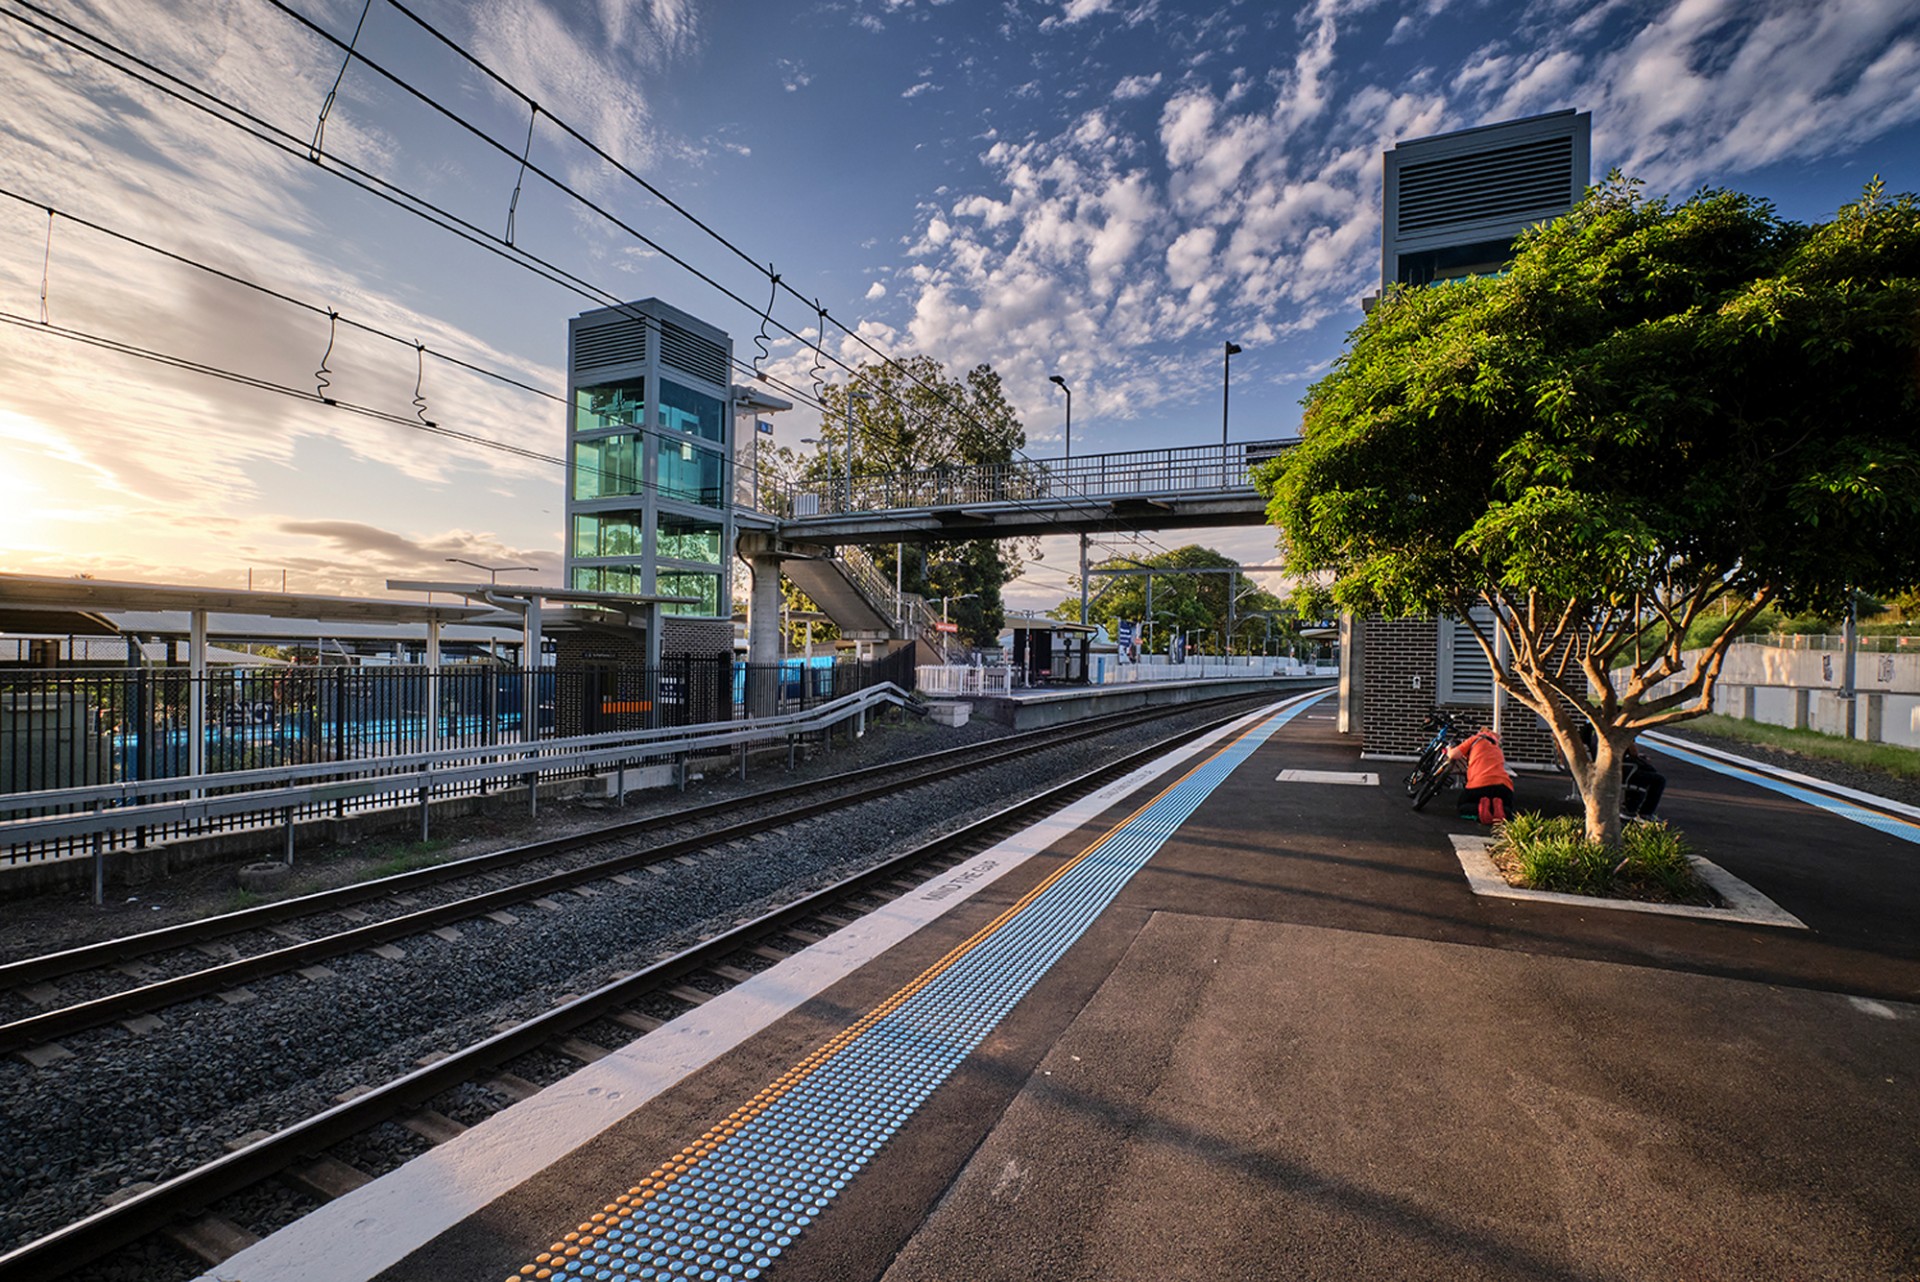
(1489, 790)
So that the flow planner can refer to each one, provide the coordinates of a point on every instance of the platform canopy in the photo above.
(46, 605)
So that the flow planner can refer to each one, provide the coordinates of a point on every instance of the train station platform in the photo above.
(1240, 1015)
(1029, 708)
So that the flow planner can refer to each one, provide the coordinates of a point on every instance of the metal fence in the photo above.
(1179, 470)
(1871, 643)
(80, 729)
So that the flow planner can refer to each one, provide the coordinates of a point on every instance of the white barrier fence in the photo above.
(953, 681)
(1799, 687)
(957, 682)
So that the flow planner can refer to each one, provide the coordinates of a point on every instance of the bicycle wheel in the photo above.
(1422, 770)
(1430, 788)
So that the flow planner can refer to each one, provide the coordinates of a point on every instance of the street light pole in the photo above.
(1061, 383)
(1226, 385)
(851, 397)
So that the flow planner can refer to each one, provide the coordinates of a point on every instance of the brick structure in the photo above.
(688, 634)
(1400, 682)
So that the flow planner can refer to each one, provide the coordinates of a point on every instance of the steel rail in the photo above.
(50, 1025)
(191, 1192)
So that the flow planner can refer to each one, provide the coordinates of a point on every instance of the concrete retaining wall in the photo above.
(1053, 707)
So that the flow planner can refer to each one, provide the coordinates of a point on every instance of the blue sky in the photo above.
(1107, 189)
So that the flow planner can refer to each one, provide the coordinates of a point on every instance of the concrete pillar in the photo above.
(1352, 657)
(763, 636)
(1802, 699)
(1876, 717)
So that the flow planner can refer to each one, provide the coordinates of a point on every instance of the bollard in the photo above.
(287, 814)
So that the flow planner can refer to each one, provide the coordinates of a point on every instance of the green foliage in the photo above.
(1652, 390)
(1186, 602)
(408, 856)
(1554, 853)
(1658, 408)
(911, 416)
(1888, 757)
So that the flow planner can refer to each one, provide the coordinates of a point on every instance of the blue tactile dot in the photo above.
(765, 1182)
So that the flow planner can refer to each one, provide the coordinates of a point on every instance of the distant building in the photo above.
(1453, 204)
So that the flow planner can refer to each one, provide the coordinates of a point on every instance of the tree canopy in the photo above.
(1658, 410)
(1186, 598)
(908, 416)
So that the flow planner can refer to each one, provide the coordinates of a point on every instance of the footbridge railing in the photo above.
(1184, 470)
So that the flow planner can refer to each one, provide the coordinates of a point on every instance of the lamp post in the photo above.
(944, 634)
(493, 571)
(1061, 383)
(852, 396)
(1226, 384)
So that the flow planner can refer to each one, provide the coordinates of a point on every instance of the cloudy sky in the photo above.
(1106, 189)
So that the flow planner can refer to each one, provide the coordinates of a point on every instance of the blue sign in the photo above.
(761, 425)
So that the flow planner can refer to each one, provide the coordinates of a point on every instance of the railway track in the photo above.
(204, 1214)
(134, 965)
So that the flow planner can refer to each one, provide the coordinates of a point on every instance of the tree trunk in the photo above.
(1600, 791)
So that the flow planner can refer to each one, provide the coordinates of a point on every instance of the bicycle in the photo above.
(1433, 771)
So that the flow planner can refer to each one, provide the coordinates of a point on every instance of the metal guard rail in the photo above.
(117, 807)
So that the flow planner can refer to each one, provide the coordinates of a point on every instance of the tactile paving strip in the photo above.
(728, 1205)
(1892, 825)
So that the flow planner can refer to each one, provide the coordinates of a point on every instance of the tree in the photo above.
(909, 417)
(1658, 409)
(1186, 598)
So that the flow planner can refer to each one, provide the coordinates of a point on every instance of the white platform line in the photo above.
(1744, 903)
(379, 1224)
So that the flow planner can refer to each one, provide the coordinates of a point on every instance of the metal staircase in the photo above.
(850, 589)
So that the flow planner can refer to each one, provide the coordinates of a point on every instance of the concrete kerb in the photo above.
(1743, 904)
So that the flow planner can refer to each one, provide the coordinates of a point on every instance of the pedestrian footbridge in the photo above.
(1189, 487)
(809, 532)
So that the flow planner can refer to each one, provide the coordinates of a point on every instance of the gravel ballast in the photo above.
(128, 1108)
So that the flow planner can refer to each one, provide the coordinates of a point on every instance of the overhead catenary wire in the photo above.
(477, 132)
(268, 385)
(279, 295)
(334, 318)
(234, 116)
(258, 383)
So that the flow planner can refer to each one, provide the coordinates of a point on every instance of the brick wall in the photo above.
(688, 634)
(1400, 673)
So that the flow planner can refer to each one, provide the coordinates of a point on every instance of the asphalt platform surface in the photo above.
(1297, 1046)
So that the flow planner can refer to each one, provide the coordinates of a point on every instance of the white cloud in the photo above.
(875, 291)
(1136, 87)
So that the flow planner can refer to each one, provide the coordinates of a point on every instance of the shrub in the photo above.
(1552, 853)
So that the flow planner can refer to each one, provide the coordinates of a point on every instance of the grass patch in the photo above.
(1551, 852)
(1888, 758)
(409, 856)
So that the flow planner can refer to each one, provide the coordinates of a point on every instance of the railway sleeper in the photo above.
(210, 1238)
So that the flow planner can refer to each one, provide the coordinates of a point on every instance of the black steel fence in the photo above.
(75, 728)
